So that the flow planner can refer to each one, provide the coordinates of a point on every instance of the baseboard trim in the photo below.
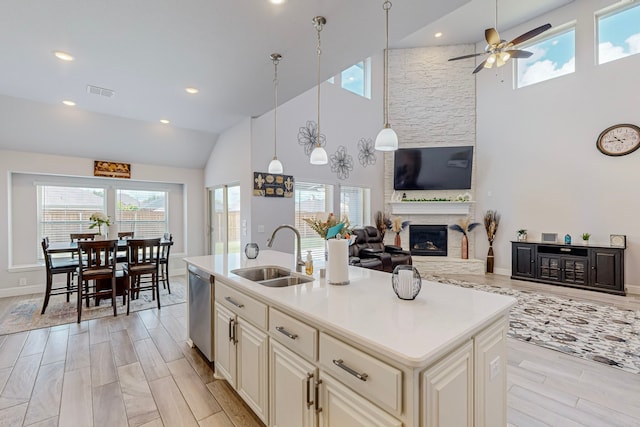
(633, 289)
(21, 290)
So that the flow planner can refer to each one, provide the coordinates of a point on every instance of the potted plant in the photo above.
(522, 234)
(98, 219)
(585, 238)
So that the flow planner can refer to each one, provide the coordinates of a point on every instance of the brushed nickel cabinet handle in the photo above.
(340, 364)
(231, 320)
(317, 396)
(237, 304)
(309, 401)
(283, 331)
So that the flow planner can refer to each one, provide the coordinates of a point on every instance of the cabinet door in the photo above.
(607, 269)
(523, 258)
(342, 407)
(252, 354)
(549, 267)
(291, 388)
(575, 270)
(225, 349)
(490, 352)
(447, 390)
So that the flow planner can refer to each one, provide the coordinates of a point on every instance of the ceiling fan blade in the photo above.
(492, 36)
(480, 67)
(466, 56)
(529, 35)
(515, 53)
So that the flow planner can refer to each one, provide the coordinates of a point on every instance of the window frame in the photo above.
(608, 12)
(546, 36)
(365, 203)
(310, 240)
(118, 222)
(366, 78)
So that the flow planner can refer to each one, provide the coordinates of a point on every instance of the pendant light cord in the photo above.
(386, 6)
(319, 52)
(276, 60)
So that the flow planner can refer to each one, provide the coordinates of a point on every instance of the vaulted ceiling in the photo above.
(148, 51)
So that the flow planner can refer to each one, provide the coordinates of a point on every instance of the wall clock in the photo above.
(619, 140)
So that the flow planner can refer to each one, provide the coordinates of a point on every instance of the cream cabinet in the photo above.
(293, 371)
(241, 349)
(342, 407)
(447, 390)
(292, 388)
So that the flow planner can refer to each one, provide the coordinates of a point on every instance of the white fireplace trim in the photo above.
(431, 208)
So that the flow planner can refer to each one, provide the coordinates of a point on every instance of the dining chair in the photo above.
(99, 264)
(57, 266)
(123, 235)
(79, 237)
(164, 261)
(143, 257)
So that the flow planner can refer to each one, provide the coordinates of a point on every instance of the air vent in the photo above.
(100, 91)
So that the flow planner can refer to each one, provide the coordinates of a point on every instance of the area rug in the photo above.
(25, 314)
(597, 332)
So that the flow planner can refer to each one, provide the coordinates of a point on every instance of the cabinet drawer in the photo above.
(365, 374)
(293, 333)
(242, 305)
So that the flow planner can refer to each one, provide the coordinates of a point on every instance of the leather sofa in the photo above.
(369, 251)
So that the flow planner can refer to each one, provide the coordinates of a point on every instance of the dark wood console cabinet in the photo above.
(597, 268)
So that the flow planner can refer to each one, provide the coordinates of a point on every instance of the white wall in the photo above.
(19, 225)
(345, 118)
(536, 148)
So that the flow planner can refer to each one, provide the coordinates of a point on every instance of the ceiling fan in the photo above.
(499, 50)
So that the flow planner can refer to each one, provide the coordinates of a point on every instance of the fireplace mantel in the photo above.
(430, 208)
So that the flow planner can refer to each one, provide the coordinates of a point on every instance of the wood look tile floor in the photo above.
(139, 371)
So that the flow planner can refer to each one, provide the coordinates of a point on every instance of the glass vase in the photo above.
(406, 282)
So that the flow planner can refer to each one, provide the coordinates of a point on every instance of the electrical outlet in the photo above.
(23, 281)
(495, 368)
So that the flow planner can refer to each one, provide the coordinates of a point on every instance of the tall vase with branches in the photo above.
(464, 226)
(491, 222)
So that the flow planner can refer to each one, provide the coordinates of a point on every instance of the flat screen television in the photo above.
(433, 168)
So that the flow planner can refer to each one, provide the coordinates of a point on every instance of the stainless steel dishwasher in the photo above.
(201, 294)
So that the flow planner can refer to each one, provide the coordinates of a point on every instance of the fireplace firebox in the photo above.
(428, 240)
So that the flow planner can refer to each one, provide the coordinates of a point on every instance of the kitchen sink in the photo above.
(281, 282)
(258, 274)
(271, 276)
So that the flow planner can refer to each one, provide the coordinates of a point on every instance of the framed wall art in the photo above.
(272, 185)
(111, 169)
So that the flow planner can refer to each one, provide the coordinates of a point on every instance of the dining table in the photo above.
(72, 247)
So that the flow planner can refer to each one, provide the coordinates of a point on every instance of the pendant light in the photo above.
(387, 140)
(319, 155)
(276, 165)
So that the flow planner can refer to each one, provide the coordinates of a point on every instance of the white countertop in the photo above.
(368, 311)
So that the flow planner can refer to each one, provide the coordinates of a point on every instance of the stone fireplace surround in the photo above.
(439, 213)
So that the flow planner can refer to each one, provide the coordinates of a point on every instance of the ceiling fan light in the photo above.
(275, 166)
(387, 140)
(319, 156)
(491, 59)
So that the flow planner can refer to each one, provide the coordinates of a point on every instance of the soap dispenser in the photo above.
(309, 264)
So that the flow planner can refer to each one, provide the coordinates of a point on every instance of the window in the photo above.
(618, 33)
(356, 79)
(63, 210)
(142, 211)
(312, 201)
(355, 205)
(552, 57)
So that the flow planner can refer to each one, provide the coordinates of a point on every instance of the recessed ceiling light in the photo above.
(68, 103)
(277, 1)
(438, 35)
(164, 121)
(63, 55)
(192, 90)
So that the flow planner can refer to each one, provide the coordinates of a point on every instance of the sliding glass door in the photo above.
(224, 219)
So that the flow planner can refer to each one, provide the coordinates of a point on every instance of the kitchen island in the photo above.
(318, 354)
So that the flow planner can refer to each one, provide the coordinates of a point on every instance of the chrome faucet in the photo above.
(299, 261)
